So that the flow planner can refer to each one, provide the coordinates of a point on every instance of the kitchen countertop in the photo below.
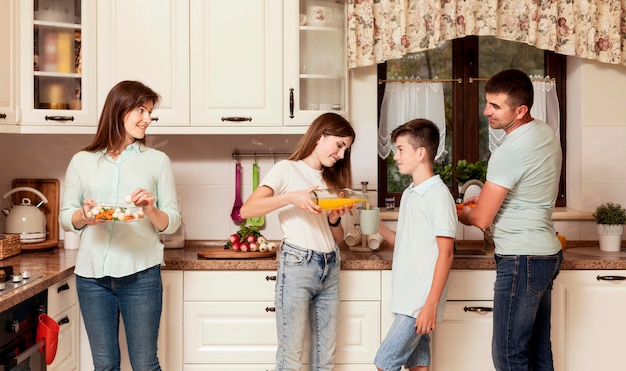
(579, 255)
(54, 265)
(57, 264)
(559, 214)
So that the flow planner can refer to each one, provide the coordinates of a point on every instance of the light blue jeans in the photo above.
(403, 346)
(138, 298)
(307, 290)
(521, 311)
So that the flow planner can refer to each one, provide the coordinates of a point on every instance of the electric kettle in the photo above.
(26, 219)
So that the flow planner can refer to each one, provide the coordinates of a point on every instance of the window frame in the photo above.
(465, 119)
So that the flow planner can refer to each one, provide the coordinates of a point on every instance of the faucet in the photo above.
(465, 186)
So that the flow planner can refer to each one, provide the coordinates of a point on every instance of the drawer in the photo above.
(229, 286)
(360, 285)
(471, 284)
(62, 296)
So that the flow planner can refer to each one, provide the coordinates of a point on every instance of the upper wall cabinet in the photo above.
(8, 71)
(315, 59)
(58, 39)
(236, 64)
(147, 40)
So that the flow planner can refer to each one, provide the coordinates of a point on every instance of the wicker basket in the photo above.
(9, 245)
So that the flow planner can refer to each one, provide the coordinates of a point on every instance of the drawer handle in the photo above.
(3, 115)
(270, 309)
(63, 287)
(64, 320)
(236, 118)
(610, 278)
(478, 309)
(154, 118)
(270, 278)
(59, 118)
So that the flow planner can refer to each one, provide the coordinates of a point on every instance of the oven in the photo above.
(19, 350)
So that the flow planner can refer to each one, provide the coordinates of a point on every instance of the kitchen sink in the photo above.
(471, 251)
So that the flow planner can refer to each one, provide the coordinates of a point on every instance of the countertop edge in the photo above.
(559, 214)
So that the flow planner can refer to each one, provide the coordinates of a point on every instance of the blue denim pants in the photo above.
(521, 311)
(138, 298)
(307, 295)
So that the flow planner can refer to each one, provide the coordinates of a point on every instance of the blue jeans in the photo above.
(307, 290)
(138, 299)
(521, 311)
(403, 346)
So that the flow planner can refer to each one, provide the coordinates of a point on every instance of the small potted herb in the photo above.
(610, 219)
(464, 171)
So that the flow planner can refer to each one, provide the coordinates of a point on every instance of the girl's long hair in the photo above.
(124, 97)
(340, 174)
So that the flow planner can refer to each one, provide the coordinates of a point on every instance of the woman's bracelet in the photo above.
(335, 224)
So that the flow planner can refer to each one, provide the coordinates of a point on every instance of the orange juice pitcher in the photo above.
(333, 199)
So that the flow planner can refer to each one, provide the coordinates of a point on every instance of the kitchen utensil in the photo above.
(259, 220)
(234, 214)
(26, 219)
(50, 189)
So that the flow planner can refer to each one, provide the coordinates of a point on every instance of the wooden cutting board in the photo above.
(50, 189)
(221, 253)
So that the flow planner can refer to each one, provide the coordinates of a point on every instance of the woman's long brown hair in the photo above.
(340, 174)
(124, 97)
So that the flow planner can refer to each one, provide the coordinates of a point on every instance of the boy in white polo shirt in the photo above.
(423, 250)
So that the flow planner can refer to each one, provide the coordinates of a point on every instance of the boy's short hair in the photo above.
(419, 133)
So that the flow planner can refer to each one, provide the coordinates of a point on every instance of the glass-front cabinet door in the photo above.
(315, 59)
(58, 36)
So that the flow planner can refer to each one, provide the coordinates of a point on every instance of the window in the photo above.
(467, 135)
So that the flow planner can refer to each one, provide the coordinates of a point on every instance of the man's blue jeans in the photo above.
(138, 298)
(521, 313)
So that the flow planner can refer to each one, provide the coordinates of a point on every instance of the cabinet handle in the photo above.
(63, 287)
(155, 118)
(270, 309)
(64, 320)
(3, 115)
(270, 278)
(236, 118)
(610, 278)
(478, 309)
(291, 104)
(59, 118)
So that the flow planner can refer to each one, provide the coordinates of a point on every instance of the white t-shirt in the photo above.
(528, 164)
(300, 228)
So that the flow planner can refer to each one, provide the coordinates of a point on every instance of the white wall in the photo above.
(204, 168)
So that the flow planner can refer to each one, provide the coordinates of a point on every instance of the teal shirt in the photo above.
(528, 164)
(119, 249)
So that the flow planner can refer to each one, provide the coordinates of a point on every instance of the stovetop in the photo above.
(10, 281)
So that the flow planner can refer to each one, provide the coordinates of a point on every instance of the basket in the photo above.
(9, 245)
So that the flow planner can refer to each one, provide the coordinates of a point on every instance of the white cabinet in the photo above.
(588, 324)
(315, 60)
(148, 41)
(58, 39)
(462, 340)
(236, 63)
(63, 308)
(230, 321)
(8, 63)
(170, 343)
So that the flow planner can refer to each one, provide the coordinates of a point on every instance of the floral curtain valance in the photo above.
(379, 30)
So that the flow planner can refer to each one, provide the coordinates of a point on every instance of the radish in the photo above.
(234, 238)
(254, 246)
(272, 246)
(236, 245)
(244, 247)
(263, 247)
(261, 240)
(251, 238)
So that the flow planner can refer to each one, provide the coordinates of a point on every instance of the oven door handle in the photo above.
(26, 354)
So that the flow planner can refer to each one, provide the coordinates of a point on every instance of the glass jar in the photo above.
(333, 199)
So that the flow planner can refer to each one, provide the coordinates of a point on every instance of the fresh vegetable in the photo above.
(244, 247)
(120, 213)
(245, 234)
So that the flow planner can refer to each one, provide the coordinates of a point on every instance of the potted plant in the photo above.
(464, 171)
(610, 219)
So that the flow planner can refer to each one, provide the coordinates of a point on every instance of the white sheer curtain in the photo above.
(545, 108)
(404, 101)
